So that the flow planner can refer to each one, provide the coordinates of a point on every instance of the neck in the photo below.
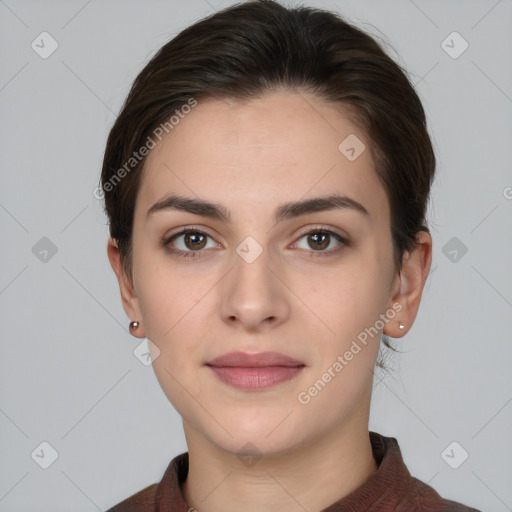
(311, 477)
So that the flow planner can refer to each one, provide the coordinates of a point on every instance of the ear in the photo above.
(408, 284)
(128, 296)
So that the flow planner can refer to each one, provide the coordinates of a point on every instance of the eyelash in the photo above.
(194, 254)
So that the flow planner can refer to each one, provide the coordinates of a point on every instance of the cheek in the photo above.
(347, 298)
(341, 380)
(164, 295)
(349, 303)
(173, 310)
(171, 307)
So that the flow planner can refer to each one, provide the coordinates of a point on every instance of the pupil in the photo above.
(194, 238)
(315, 237)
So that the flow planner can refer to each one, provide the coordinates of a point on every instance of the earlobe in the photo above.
(128, 297)
(408, 287)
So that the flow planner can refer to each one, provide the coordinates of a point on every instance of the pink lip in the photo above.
(260, 360)
(255, 371)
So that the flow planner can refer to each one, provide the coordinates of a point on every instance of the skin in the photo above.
(252, 157)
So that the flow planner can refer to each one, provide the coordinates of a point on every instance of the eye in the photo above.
(319, 239)
(188, 243)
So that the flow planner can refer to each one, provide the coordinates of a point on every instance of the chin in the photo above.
(256, 438)
(256, 447)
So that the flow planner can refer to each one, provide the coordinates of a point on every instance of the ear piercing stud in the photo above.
(135, 325)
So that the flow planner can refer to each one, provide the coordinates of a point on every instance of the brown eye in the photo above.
(187, 243)
(194, 240)
(319, 239)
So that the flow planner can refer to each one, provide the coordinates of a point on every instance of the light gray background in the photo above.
(69, 376)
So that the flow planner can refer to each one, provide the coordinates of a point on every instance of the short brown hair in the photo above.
(252, 48)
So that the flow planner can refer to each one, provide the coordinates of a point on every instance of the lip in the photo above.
(258, 360)
(255, 371)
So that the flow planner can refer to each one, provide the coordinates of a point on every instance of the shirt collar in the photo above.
(385, 486)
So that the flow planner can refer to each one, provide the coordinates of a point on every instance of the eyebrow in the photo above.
(283, 212)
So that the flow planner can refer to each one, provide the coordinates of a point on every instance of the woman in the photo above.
(266, 185)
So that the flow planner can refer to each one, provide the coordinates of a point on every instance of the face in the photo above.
(304, 285)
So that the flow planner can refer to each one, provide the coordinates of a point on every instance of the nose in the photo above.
(253, 297)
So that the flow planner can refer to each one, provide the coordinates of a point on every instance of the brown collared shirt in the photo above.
(390, 489)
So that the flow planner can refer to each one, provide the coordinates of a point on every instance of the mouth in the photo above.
(255, 371)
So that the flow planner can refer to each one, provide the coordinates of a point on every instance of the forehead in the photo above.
(263, 152)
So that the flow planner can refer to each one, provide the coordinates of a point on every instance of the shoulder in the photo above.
(142, 501)
(162, 495)
(428, 500)
(402, 490)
